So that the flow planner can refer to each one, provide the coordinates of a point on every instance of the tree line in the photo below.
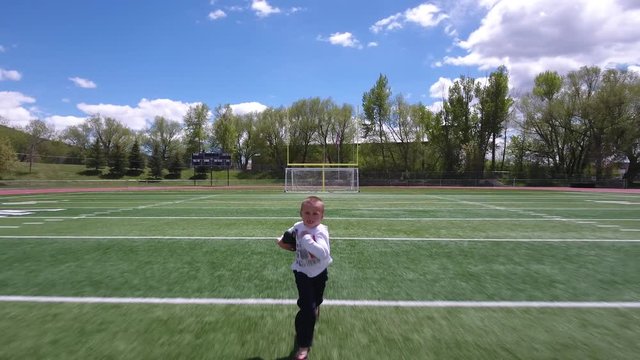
(582, 124)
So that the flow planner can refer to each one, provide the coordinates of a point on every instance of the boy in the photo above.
(313, 256)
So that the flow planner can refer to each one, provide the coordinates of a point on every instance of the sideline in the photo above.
(223, 238)
(353, 303)
(33, 191)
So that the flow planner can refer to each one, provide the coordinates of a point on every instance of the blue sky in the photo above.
(62, 61)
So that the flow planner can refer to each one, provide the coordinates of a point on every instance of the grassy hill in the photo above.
(54, 166)
(49, 150)
(63, 175)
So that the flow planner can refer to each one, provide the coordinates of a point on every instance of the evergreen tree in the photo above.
(136, 160)
(95, 157)
(175, 165)
(156, 163)
(118, 161)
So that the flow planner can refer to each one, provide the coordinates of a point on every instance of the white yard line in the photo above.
(546, 218)
(5, 213)
(485, 304)
(490, 240)
(533, 213)
(217, 238)
(329, 302)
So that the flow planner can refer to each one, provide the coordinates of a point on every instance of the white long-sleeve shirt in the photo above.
(313, 250)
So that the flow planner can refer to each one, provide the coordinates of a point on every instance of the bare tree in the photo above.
(39, 132)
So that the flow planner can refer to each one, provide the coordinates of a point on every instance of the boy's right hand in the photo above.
(286, 246)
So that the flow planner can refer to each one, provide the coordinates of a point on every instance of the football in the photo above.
(289, 237)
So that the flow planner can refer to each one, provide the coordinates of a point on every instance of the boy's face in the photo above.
(311, 214)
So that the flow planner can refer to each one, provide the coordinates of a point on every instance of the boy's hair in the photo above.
(313, 201)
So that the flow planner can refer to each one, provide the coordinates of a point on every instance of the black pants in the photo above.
(310, 296)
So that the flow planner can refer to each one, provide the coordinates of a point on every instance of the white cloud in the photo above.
(537, 35)
(451, 31)
(9, 75)
(247, 108)
(136, 118)
(345, 39)
(488, 3)
(634, 68)
(440, 89)
(83, 83)
(62, 122)
(483, 80)
(425, 15)
(390, 23)
(372, 44)
(12, 108)
(263, 9)
(218, 14)
(294, 10)
(436, 106)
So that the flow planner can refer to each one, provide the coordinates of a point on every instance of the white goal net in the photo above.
(313, 179)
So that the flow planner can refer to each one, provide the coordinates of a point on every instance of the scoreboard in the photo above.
(213, 160)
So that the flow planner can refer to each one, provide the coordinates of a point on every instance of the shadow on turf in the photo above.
(288, 357)
(292, 353)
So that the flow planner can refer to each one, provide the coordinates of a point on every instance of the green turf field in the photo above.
(417, 274)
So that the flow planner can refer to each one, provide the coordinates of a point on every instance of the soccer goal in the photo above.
(314, 179)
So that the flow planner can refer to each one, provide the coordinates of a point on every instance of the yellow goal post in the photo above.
(323, 176)
(321, 179)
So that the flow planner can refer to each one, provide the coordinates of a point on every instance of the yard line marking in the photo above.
(328, 302)
(544, 216)
(630, 230)
(5, 213)
(492, 239)
(214, 238)
(615, 202)
(557, 219)
(259, 206)
(32, 223)
(93, 215)
(9, 227)
(486, 304)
